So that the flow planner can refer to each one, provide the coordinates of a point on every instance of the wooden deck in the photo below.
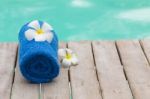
(107, 70)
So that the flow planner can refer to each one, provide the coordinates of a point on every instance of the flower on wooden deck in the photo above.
(39, 31)
(67, 57)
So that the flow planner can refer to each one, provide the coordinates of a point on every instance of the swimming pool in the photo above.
(79, 19)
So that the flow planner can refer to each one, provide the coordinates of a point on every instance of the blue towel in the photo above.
(38, 57)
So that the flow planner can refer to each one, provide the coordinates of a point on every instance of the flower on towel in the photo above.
(39, 32)
(67, 57)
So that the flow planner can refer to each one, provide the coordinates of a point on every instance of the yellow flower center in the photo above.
(39, 31)
(68, 56)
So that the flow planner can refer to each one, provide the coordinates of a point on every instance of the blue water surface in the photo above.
(78, 19)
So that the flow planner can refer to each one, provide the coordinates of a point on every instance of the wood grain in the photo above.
(136, 68)
(7, 63)
(110, 71)
(83, 76)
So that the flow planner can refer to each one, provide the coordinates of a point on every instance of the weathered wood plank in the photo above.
(59, 87)
(83, 78)
(136, 68)
(22, 88)
(7, 63)
(146, 48)
(110, 71)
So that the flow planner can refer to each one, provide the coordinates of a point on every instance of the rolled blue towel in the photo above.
(38, 47)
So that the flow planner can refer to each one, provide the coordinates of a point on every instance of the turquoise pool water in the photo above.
(78, 19)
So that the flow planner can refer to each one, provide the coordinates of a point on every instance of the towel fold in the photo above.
(38, 47)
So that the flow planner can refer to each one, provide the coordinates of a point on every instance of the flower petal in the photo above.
(61, 53)
(40, 37)
(66, 63)
(69, 51)
(30, 34)
(49, 36)
(34, 24)
(74, 61)
(46, 27)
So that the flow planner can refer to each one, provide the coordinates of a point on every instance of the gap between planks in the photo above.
(146, 48)
(83, 77)
(136, 67)
(15, 64)
(119, 55)
(7, 63)
(110, 71)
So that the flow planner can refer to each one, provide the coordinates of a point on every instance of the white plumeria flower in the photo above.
(39, 33)
(67, 57)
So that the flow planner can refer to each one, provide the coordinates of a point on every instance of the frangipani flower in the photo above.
(67, 57)
(39, 32)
